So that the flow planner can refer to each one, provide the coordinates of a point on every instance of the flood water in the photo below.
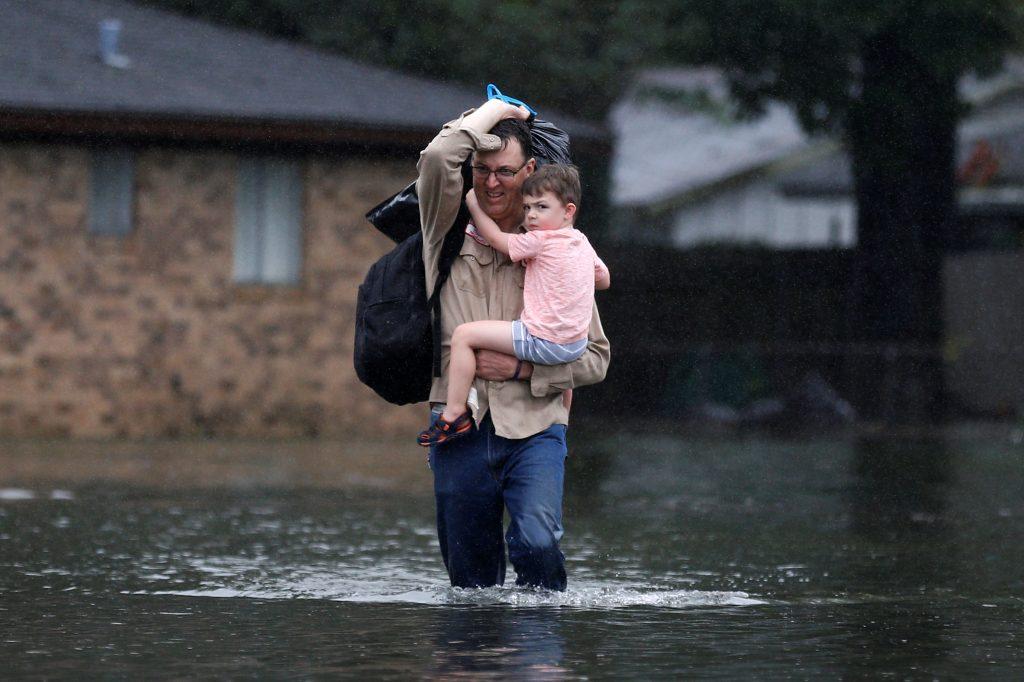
(728, 558)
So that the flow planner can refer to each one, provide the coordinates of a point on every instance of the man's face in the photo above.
(501, 197)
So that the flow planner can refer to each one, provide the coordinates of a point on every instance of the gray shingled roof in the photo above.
(666, 150)
(183, 67)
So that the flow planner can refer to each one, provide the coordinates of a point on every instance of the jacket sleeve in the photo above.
(439, 184)
(589, 368)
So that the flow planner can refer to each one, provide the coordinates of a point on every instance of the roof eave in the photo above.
(132, 126)
(135, 126)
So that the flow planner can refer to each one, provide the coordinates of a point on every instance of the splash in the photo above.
(19, 494)
(584, 596)
(604, 597)
(16, 494)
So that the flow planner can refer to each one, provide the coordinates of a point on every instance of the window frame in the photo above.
(112, 191)
(269, 221)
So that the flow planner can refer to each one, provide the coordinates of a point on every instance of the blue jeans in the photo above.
(478, 476)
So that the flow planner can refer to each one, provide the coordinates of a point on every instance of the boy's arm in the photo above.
(602, 277)
(487, 227)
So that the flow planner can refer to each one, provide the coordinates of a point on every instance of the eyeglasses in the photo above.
(483, 172)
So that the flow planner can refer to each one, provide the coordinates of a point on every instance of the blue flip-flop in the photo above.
(494, 93)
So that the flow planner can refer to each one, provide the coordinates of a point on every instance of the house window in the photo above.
(268, 221)
(112, 179)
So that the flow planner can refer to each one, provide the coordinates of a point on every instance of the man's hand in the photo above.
(504, 110)
(522, 113)
(494, 366)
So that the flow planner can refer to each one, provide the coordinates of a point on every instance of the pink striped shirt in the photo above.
(558, 295)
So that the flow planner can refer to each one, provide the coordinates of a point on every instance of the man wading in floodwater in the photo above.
(515, 457)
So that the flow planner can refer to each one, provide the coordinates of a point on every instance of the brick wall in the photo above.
(146, 335)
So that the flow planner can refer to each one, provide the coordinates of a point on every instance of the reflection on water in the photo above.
(697, 557)
(474, 642)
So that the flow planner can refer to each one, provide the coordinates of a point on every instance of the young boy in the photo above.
(562, 272)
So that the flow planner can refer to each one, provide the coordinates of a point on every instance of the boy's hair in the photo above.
(514, 129)
(561, 179)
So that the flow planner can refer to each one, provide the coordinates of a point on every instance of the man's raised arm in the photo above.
(439, 184)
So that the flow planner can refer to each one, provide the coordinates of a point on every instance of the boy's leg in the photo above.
(468, 337)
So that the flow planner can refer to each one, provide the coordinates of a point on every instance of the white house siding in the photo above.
(816, 223)
(756, 214)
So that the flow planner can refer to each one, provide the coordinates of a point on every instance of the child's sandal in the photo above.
(442, 431)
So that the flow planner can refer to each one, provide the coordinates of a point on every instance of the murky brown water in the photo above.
(696, 558)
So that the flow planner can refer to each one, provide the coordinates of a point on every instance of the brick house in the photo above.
(181, 223)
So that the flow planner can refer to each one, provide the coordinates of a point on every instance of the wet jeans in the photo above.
(477, 477)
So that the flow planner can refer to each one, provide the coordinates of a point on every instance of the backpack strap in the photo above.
(450, 248)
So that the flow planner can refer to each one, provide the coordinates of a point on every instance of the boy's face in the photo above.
(547, 212)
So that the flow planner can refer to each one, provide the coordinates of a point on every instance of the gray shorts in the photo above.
(541, 351)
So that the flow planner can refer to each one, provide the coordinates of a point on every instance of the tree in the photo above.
(883, 75)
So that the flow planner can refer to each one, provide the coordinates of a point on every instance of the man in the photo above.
(515, 458)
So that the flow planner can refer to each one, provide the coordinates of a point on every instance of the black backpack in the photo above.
(398, 330)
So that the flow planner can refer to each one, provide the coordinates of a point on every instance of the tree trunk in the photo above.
(902, 138)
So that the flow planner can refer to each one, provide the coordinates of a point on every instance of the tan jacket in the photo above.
(486, 285)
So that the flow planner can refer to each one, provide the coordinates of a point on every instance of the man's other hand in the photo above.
(494, 366)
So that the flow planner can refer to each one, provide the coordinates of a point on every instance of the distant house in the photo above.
(181, 222)
(688, 171)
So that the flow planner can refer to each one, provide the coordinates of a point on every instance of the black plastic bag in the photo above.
(398, 216)
(550, 143)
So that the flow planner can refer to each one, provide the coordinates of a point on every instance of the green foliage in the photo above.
(274, 17)
(812, 53)
(685, 101)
